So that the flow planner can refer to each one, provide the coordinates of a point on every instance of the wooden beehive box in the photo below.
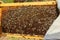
(45, 17)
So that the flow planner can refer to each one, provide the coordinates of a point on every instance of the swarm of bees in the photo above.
(33, 20)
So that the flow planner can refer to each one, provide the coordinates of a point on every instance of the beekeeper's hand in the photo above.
(54, 31)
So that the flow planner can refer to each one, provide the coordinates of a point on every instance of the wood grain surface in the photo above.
(29, 3)
(0, 21)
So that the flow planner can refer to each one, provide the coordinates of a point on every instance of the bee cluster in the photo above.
(33, 20)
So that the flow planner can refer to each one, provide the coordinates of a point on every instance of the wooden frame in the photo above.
(0, 16)
(25, 4)
(29, 3)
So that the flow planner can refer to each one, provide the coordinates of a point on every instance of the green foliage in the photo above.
(13, 38)
(8, 1)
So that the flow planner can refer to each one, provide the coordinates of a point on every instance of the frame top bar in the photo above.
(29, 3)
